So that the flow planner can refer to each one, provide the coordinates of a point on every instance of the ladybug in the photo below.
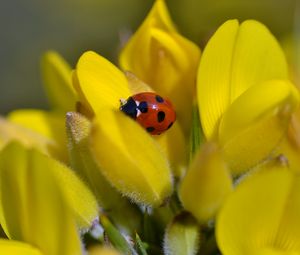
(150, 110)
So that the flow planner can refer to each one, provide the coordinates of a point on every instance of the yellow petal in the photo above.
(290, 146)
(261, 114)
(158, 17)
(10, 131)
(136, 85)
(33, 207)
(130, 159)
(80, 199)
(48, 124)
(206, 184)
(173, 144)
(235, 58)
(164, 59)
(262, 215)
(78, 196)
(100, 83)
(9, 247)
(58, 82)
(182, 235)
(123, 213)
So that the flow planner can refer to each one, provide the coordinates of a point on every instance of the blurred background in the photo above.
(29, 28)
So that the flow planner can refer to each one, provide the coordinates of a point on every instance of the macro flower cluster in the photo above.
(84, 178)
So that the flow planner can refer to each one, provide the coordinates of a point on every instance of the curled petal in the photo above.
(254, 124)
(165, 60)
(100, 84)
(206, 185)
(58, 82)
(236, 58)
(130, 159)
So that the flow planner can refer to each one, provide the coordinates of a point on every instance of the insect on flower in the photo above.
(150, 110)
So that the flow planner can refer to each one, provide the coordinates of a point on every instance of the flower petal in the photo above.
(32, 204)
(262, 215)
(100, 83)
(48, 124)
(206, 184)
(130, 159)
(290, 146)
(10, 131)
(17, 248)
(77, 195)
(173, 144)
(164, 59)
(261, 114)
(235, 58)
(124, 214)
(80, 199)
(182, 236)
(58, 82)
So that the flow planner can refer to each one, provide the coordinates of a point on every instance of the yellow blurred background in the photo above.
(29, 28)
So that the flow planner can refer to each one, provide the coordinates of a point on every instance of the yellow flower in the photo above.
(127, 155)
(20, 172)
(158, 55)
(165, 60)
(35, 207)
(262, 215)
(124, 214)
(245, 98)
(206, 184)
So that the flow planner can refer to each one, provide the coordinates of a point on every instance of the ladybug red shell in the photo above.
(151, 111)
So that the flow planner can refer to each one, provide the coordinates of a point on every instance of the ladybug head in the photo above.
(129, 107)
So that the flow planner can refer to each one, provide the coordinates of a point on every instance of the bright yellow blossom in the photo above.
(262, 215)
(18, 165)
(165, 60)
(34, 208)
(158, 55)
(245, 98)
(127, 155)
(206, 184)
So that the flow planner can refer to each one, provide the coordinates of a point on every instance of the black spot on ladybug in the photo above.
(143, 107)
(170, 125)
(129, 108)
(159, 99)
(150, 129)
(160, 116)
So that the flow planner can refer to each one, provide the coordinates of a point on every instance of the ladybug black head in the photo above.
(129, 107)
